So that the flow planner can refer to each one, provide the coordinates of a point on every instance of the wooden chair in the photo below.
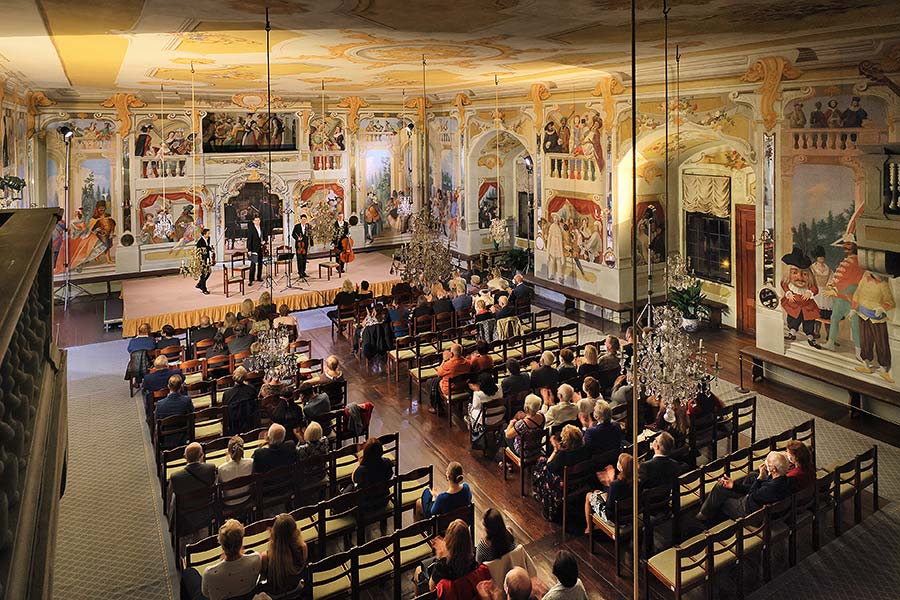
(463, 317)
(403, 352)
(702, 435)
(681, 568)
(524, 463)
(492, 422)
(331, 577)
(443, 321)
(541, 320)
(230, 279)
(309, 367)
(210, 423)
(242, 268)
(175, 427)
(311, 478)
(825, 495)
(301, 347)
(412, 545)
(339, 517)
(218, 366)
(425, 369)
(409, 490)
(465, 513)
(275, 489)
(346, 314)
(191, 512)
(280, 251)
(175, 354)
(201, 347)
(341, 465)
(307, 519)
(618, 530)
(236, 499)
(578, 479)
(202, 394)
(422, 324)
(687, 499)
(458, 393)
(373, 563)
(568, 335)
(743, 419)
(806, 433)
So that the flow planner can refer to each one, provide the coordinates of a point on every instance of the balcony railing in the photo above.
(156, 168)
(834, 141)
(377, 136)
(567, 166)
(327, 161)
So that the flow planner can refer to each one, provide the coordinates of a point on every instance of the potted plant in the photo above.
(516, 260)
(689, 302)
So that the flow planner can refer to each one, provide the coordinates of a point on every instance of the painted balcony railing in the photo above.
(446, 138)
(327, 161)
(32, 405)
(567, 166)
(377, 136)
(157, 168)
(833, 141)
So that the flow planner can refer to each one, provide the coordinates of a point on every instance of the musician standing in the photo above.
(204, 249)
(255, 248)
(341, 231)
(302, 242)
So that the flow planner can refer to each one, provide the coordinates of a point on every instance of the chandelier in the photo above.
(273, 355)
(425, 258)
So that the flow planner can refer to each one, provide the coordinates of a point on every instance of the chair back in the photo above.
(568, 335)
(806, 433)
(692, 562)
(331, 577)
(867, 469)
(410, 486)
(237, 498)
(312, 478)
(390, 443)
(423, 324)
(201, 347)
(541, 319)
(210, 423)
(275, 488)
(466, 513)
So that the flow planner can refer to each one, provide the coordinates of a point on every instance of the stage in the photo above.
(175, 300)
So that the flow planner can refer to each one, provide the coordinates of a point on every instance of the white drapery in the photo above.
(709, 194)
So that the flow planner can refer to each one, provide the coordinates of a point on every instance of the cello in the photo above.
(347, 254)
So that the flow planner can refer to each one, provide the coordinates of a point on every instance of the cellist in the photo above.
(301, 243)
(341, 232)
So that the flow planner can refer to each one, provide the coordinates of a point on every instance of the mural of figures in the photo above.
(798, 301)
(577, 132)
(572, 236)
(835, 123)
(329, 138)
(488, 202)
(651, 232)
(822, 208)
(248, 132)
(175, 217)
(872, 301)
(840, 290)
(162, 147)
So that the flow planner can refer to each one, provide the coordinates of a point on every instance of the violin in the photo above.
(347, 254)
(302, 246)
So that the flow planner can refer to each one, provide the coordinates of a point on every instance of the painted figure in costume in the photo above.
(822, 276)
(843, 285)
(872, 301)
(96, 244)
(186, 218)
(797, 119)
(854, 117)
(798, 302)
(564, 134)
(555, 249)
(818, 120)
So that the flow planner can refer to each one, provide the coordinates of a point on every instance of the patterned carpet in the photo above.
(862, 563)
(112, 540)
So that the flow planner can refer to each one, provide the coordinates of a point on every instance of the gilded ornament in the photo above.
(123, 103)
(354, 104)
(33, 100)
(771, 71)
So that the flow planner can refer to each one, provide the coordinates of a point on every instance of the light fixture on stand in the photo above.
(69, 290)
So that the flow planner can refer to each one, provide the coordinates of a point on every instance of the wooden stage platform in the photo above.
(175, 300)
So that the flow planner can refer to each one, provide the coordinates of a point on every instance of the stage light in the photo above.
(66, 133)
(529, 163)
(410, 127)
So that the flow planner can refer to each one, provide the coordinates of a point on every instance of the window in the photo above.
(708, 246)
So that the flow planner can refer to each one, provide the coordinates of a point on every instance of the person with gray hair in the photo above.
(565, 410)
(526, 426)
(736, 499)
(603, 435)
(544, 376)
(278, 452)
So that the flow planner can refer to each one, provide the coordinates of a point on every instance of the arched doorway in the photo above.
(246, 194)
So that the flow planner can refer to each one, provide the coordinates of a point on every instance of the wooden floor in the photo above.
(426, 439)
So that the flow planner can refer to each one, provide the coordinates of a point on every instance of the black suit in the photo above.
(659, 471)
(302, 241)
(193, 478)
(255, 247)
(271, 457)
(521, 292)
(205, 251)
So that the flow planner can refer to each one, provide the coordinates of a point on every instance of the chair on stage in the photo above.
(232, 279)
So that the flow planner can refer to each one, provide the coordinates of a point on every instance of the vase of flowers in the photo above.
(499, 232)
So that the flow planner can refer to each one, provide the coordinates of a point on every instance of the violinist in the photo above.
(343, 244)
(302, 242)
(204, 249)
(255, 247)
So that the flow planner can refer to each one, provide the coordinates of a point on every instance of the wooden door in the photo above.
(745, 248)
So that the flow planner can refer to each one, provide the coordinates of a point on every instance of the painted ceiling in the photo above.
(88, 48)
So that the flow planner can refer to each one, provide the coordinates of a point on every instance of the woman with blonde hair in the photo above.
(246, 311)
(546, 477)
(265, 302)
(496, 282)
(284, 560)
(227, 328)
(236, 466)
(587, 363)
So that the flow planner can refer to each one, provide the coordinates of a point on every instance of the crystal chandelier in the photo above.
(425, 258)
(273, 355)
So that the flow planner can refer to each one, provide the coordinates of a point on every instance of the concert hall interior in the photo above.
(513, 299)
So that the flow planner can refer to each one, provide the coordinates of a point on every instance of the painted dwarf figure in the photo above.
(872, 301)
(798, 301)
(843, 285)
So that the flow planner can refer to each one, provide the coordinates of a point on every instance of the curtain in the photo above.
(709, 194)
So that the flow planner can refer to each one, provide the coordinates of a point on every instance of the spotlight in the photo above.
(66, 133)
(529, 163)
(410, 127)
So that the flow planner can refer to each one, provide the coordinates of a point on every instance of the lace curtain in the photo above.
(709, 194)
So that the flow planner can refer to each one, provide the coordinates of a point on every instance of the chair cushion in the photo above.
(207, 431)
(866, 479)
(409, 498)
(402, 354)
(663, 565)
(339, 587)
(381, 568)
(339, 525)
(193, 378)
(415, 554)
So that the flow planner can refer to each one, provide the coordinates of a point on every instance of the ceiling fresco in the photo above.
(88, 48)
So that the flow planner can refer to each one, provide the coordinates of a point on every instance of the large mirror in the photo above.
(768, 210)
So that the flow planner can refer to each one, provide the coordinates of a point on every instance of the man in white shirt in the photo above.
(237, 573)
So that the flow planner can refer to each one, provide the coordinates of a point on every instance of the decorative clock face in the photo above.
(768, 298)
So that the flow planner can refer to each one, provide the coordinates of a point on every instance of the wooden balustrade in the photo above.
(568, 166)
(327, 161)
(833, 141)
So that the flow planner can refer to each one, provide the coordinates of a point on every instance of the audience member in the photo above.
(610, 359)
(496, 282)
(364, 292)
(452, 366)
(462, 300)
(277, 452)
(591, 389)
(474, 285)
(526, 427)
(241, 401)
(546, 477)
(284, 561)
(175, 403)
(345, 297)
(482, 313)
(236, 466)
(399, 316)
(604, 435)
(269, 308)
(505, 308)
(285, 319)
(186, 483)
(569, 586)
(457, 495)
(260, 320)
(236, 574)
(544, 376)
(242, 340)
(228, 323)
(313, 443)
(515, 382)
(802, 473)
(401, 290)
(373, 475)
(455, 280)
(587, 363)
(484, 389)
(142, 341)
(219, 348)
(481, 359)
(454, 573)
(521, 291)
(628, 346)
(586, 415)
(167, 338)
(246, 311)
(440, 302)
(423, 308)
(157, 379)
(497, 540)
(661, 470)
(564, 411)
(737, 499)
(204, 331)
(619, 486)
(517, 585)
(273, 386)
(567, 370)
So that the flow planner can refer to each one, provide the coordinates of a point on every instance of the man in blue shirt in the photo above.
(143, 340)
(157, 378)
(175, 403)
(462, 301)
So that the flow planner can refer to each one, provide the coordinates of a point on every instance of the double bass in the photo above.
(346, 254)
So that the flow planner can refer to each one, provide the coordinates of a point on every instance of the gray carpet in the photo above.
(112, 540)
(862, 563)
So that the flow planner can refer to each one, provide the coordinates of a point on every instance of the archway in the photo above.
(249, 193)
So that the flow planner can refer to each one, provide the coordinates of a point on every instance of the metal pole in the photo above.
(67, 290)
(635, 387)
(272, 257)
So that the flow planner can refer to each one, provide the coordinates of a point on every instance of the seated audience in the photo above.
(157, 379)
(345, 297)
(195, 477)
(619, 486)
(587, 363)
(228, 323)
(544, 376)
(505, 308)
(204, 331)
(481, 359)
(586, 414)
(312, 442)
(452, 366)
(423, 308)
(331, 371)
(142, 341)
(440, 301)
(462, 300)
(364, 292)
(484, 389)
(455, 280)
(236, 574)
(236, 466)
(737, 499)
(246, 311)
(567, 369)
(474, 285)
(284, 560)
(496, 282)
(373, 476)
(454, 573)
(802, 473)
(517, 585)
(526, 427)
(591, 389)
(610, 359)
(569, 586)
(277, 452)
(515, 382)
(242, 340)
(219, 348)
(628, 346)
(604, 435)
(285, 319)
(260, 320)
(167, 338)
(273, 386)
(269, 308)
(401, 290)
(175, 403)
(563, 411)
(482, 312)
(497, 540)
(546, 478)
(241, 400)
(399, 316)
(457, 495)
(501, 293)
(661, 470)
(521, 292)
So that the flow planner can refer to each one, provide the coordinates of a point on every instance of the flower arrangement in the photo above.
(499, 232)
(192, 266)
